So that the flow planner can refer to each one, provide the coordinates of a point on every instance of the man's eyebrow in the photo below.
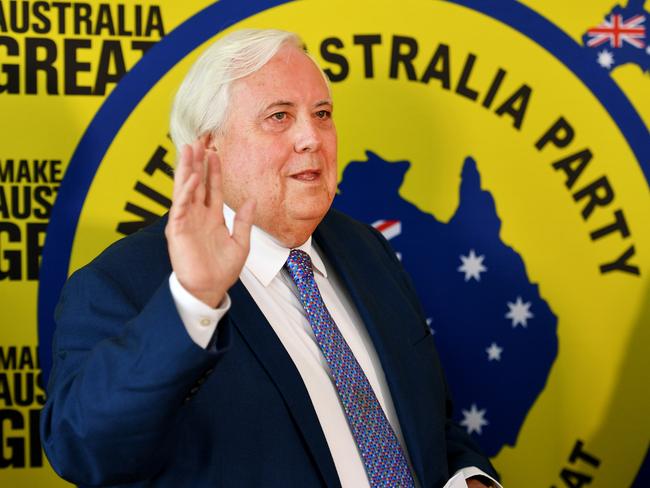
(287, 103)
(278, 103)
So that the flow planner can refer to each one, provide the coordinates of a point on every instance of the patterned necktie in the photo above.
(380, 450)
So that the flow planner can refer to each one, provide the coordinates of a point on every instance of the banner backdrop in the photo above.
(502, 148)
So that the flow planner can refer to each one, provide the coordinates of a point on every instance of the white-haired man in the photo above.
(254, 337)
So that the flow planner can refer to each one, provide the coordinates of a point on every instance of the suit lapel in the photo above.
(260, 337)
(375, 301)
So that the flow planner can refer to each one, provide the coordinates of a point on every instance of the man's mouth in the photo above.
(307, 175)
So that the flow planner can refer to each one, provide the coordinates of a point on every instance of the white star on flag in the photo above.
(519, 313)
(494, 352)
(474, 420)
(606, 58)
(472, 266)
(429, 322)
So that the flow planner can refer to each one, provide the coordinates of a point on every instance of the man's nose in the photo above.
(307, 136)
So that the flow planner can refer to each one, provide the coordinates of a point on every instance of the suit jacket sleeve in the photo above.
(124, 366)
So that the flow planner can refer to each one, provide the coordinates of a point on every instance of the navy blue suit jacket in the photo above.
(133, 401)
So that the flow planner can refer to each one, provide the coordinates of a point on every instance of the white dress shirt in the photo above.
(276, 295)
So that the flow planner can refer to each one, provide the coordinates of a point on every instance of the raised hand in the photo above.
(207, 260)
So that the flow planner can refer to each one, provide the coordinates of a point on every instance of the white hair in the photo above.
(201, 103)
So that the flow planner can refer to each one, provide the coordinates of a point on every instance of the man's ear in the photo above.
(208, 141)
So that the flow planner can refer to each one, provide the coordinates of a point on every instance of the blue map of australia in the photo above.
(497, 337)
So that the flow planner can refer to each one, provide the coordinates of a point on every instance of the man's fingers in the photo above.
(199, 154)
(199, 167)
(214, 198)
(183, 168)
(185, 197)
(243, 222)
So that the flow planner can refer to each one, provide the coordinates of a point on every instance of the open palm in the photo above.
(206, 258)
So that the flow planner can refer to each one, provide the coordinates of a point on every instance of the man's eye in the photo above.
(279, 116)
(323, 114)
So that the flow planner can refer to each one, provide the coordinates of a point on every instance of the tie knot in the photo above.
(299, 265)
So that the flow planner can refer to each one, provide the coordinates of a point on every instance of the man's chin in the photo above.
(309, 213)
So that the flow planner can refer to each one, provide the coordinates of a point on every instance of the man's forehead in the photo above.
(290, 74)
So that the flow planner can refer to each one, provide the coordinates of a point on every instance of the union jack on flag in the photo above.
(389, 228)
(618, 31)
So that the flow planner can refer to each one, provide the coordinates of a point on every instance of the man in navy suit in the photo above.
(185, 354)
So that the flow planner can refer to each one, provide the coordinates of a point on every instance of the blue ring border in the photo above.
(205, 24)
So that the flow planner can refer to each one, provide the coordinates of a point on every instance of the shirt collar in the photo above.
(267, 256)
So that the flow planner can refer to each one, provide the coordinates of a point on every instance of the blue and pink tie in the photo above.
(382, 455)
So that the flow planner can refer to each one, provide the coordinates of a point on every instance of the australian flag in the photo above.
(621, 38)
(496, 335)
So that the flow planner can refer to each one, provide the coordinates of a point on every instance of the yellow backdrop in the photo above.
(56, 71)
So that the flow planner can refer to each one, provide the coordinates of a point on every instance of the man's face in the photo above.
(279, 146)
